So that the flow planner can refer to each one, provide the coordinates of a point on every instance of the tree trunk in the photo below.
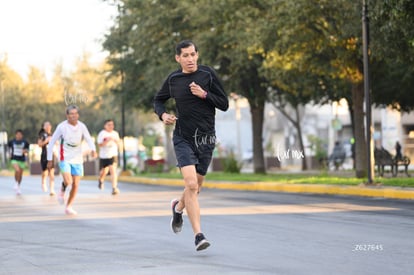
(257, 127)
(359, 131)
(299, 130)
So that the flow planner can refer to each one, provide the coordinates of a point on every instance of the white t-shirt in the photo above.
(111, 148)
(70, 138)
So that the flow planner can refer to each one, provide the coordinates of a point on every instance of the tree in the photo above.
(10, 85)
(140, 43)
(88, 87)
(146, 32)
(235, 49)
(316, 50)
(392, 44)
(282, 101)
(308, 50)
(23, 102)
(27, 104)
(392, 32)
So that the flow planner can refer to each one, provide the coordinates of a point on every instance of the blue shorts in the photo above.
(188, 153)
(73, 169)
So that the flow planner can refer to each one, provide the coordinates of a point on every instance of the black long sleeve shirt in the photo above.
(195, 115)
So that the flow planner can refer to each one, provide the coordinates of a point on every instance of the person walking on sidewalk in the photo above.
(398, 154)
(70, 133)
(19, 148)
(45, 134)
(197, 92)
(108, 140)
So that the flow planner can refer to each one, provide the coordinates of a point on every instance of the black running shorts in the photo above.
(103, 163)
(43, 164)
(188, 153)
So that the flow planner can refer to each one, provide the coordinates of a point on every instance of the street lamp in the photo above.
(236, 98)
(121, 13)
(365, 48)
(3, 133)
(3, 116)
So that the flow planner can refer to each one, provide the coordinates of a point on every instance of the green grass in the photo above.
(346, 178)
(401, 182)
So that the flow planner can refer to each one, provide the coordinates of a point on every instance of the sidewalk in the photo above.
(363, 191)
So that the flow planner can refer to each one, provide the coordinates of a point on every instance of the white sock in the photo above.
(176, 211)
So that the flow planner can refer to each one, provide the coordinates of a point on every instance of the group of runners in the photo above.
(68, 137)
(197, 92)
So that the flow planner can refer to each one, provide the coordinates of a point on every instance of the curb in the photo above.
(374, 191)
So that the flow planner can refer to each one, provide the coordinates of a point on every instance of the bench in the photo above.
(383, 158)
(404, 161)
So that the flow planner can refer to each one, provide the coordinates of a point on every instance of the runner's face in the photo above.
(109, 126)
(47, 127)
(188, 59)
(19, 136)
(73, 116)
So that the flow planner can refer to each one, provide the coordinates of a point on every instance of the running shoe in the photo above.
(115, 191)
(17, 189)
(52, 193)
(61, 195)
(69, 211)
(177, 218)
(201, 242)
(100, 184)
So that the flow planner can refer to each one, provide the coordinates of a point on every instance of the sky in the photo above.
(43, 33)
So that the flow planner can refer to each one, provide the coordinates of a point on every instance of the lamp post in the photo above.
(3, 116)
(3, 133)
(236, 98)
(365, 48)
(121, 13)
(123, 121)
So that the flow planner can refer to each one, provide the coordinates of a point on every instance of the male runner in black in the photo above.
(197, 92)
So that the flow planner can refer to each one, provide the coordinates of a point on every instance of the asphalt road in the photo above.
(250, 233)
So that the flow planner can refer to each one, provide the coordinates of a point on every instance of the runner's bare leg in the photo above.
(73, 190)
(189, 199)
(51, 179)
(114, 176)
(18, 172)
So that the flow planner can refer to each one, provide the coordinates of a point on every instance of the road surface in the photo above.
(250, 233)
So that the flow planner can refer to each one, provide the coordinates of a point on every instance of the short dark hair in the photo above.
(70, 108)
(19, 131)
(184, 44)
(108, 120)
